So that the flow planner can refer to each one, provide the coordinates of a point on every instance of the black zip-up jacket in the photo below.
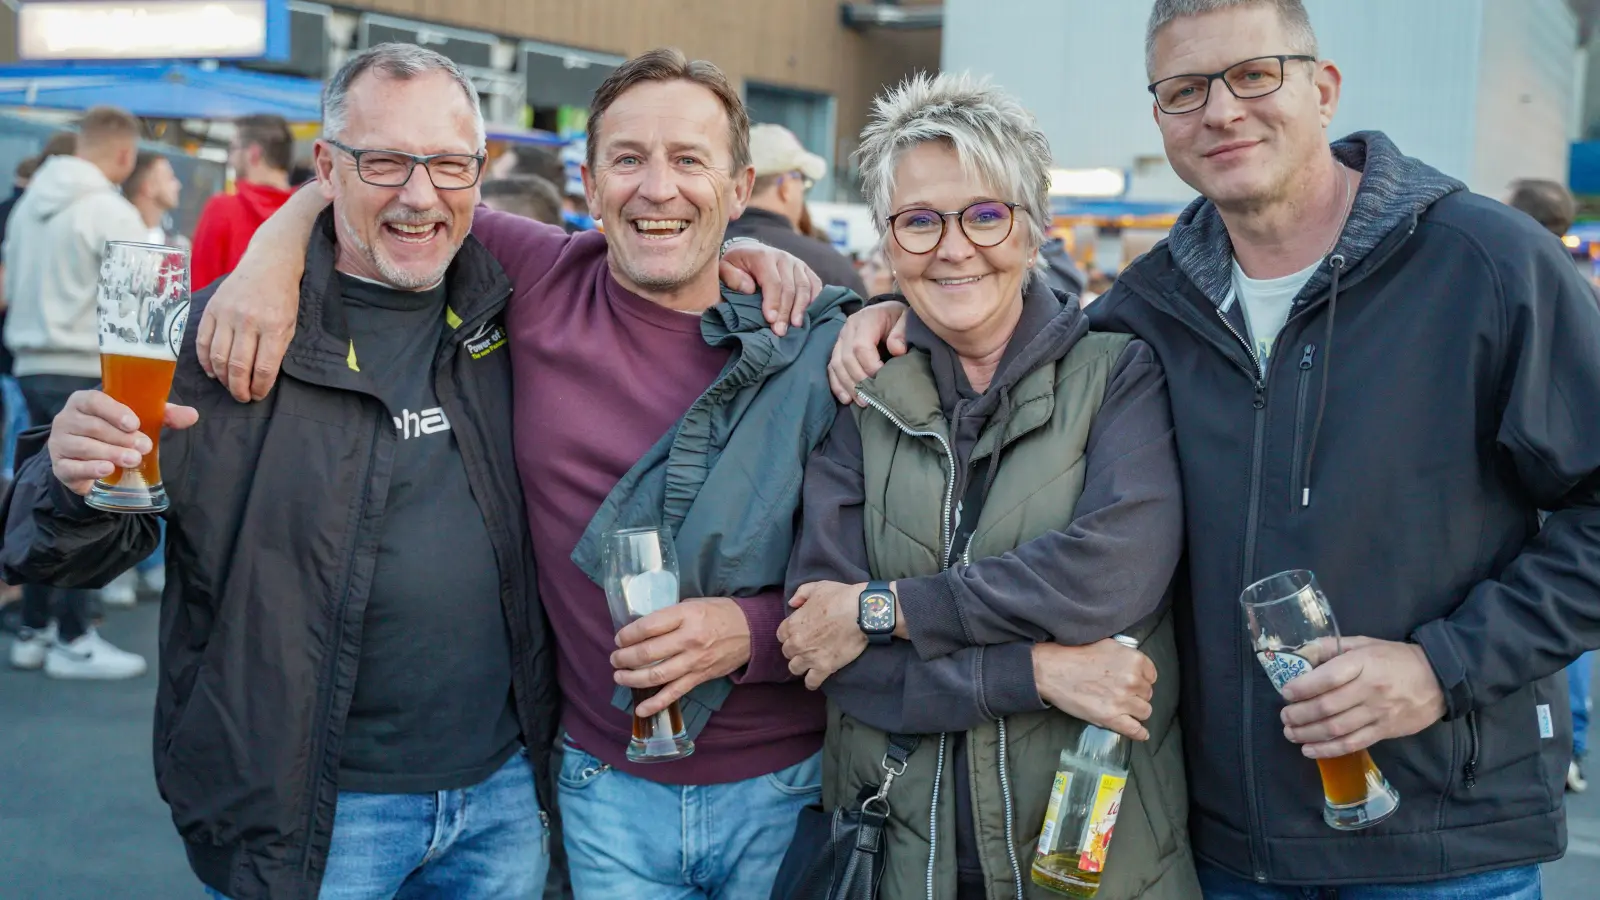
(277, 510)
(1452, 357)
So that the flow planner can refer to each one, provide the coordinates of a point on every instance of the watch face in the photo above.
(877, 612)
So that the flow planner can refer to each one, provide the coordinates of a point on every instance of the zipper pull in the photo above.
(1308, 356)
(1261, 396)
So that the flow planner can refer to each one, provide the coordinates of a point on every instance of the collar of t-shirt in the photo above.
(367, 292)
(1266, 303)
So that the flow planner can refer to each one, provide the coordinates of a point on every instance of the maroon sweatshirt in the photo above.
(601, 374)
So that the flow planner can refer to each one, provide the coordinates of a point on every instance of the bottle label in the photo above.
(1052, 813)
(1282, 667)
(1103, 811)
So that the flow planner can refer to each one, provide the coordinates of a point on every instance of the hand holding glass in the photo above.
(1292, 631)
(641, 577)
(143, 307)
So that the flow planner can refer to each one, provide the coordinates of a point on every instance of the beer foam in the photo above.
(140, 351)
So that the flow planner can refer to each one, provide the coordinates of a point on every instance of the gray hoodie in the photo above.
(52, 251)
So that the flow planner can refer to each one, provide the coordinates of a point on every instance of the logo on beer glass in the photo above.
(1282, 667)
(178, 318)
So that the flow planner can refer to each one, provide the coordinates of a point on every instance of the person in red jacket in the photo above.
(260, 154)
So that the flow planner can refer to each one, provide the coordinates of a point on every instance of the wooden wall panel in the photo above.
(789, 43)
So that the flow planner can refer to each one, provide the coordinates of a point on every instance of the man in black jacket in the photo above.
(356, 692)
(1380, 377)
(785, 171)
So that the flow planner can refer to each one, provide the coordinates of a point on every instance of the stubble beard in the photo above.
(392, 274)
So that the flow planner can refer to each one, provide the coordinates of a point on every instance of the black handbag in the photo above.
(841, 856)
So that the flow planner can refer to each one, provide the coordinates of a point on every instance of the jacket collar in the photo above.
(320, 351)
(1395, 189)
(765, 217)
(908, 387)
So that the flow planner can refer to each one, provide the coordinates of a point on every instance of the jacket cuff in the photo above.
(763, 613)
(69, 507)
(1008, 686)
(933, 620)
(1448, 666)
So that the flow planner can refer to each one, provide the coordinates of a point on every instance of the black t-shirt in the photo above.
(432, 709)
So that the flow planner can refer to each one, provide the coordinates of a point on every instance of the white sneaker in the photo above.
(92, 657)
(123, 592)
(31, 646)
(1576, 783)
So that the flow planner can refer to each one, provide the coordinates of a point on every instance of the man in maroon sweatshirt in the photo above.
(608, 352)
(260, 154)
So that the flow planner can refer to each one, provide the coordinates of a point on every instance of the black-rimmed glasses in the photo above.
(391, 168)
(986, 223)
(1248, 80)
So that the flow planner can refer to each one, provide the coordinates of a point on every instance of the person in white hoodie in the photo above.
(52, 253)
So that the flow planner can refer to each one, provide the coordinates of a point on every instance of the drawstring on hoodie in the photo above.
(1337, 262)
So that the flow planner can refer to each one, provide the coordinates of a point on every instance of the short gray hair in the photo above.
(394, 60)
(996, 139)
(1302, 39)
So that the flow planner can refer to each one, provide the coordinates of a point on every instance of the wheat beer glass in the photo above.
(641, 577)
(143, 307)
(1292, 631)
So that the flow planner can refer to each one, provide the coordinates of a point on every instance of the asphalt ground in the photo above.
(80, 818)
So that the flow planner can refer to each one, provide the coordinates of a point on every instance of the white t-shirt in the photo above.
(1266, 303)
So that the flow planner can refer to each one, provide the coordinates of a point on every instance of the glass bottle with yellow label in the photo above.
(1084, 802)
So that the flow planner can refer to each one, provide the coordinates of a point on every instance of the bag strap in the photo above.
(901, 746)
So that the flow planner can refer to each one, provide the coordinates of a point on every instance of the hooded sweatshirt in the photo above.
(973, 626)
(52, 252)
(226, 225)
(1433, 388)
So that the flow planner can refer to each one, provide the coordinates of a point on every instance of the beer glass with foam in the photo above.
(641, 577)
(143, 308)
(1292, 630)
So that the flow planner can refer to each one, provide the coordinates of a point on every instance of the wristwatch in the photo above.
(876, 612)
(732, 242)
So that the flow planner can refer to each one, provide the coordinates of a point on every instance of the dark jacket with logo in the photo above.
(1435, 386)
(277, 510)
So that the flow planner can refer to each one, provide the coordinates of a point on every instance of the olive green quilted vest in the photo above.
(907, 479)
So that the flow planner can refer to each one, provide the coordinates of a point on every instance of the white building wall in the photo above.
(1410, 70)
(1525, 93)
(1446, 79)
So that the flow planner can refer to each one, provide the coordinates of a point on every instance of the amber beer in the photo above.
(1349, 779)
(142, 385)
(1292, 630)
(143, 302)
(661, 726)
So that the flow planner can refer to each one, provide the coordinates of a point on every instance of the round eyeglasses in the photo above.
(391, 168)
(986, 223)
(1247, 80)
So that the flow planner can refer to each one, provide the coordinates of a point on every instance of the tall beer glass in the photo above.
(144, 305)
(641, 577)
(1293, 631)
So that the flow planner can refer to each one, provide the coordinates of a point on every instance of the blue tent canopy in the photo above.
(1112, 209)
(163, 91)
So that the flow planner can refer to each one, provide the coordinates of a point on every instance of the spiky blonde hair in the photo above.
(996, 139)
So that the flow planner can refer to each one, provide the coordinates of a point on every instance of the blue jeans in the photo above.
(1579, 679)
(628, 837)
(1507, 884)
(486, 841)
